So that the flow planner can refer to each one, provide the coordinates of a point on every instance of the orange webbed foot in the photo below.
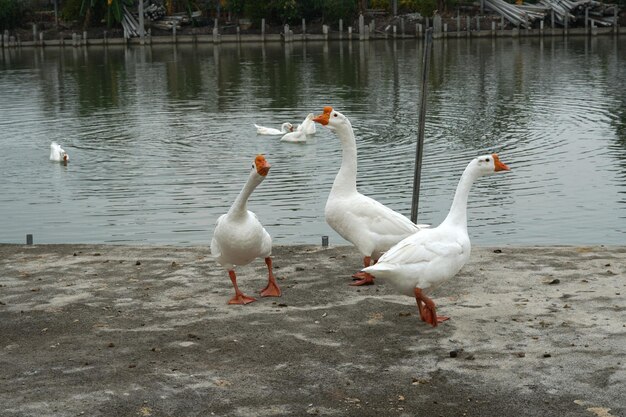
(271, 290)
(362, 278)
(428, 312)
(241, 299)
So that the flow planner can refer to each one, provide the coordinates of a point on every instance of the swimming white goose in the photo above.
(307, 125)
(303, 131)
(57, 153)
(239, 237)
(424, 260)
(297, 136)
(284, 128)
(370, 226)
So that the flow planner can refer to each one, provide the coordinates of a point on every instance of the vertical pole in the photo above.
(303, 29)
(340, 28)
(420, 132)
(56, 13)
(263, 30)
(142, 32)
(361, 28)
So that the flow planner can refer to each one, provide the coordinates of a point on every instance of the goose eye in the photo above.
(335, 115)
(486, 159)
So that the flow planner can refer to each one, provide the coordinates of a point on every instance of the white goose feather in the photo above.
(239, 237)
(369, 225)
(58, 154)
(270, 131)
(426, 259)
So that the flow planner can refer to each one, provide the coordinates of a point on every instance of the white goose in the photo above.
(302, 132)
(426, 259)
(284, 128)
(297, 136)
(57, 153)
(307, 125)
(370, 226)
(239, 237)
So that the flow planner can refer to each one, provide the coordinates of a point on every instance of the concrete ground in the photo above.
(101, 330)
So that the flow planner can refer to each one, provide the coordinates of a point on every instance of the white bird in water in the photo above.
(270, 131)
(58, 154)
(308, 125)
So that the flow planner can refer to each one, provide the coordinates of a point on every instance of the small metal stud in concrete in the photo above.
(29, 239)
(324, 241)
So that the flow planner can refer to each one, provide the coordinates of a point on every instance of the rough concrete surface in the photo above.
(102, 330)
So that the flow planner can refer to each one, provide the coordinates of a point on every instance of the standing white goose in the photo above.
(239, 237)
(426, 259)
(284, 128)
(58, 154)
(370, 226)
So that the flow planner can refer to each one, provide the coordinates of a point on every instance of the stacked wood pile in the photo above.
(566, 12)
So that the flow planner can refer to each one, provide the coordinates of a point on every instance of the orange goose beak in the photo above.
(500, 166)
(324, 117)
(262, 166)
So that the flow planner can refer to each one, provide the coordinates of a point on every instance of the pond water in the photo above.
(161, 139)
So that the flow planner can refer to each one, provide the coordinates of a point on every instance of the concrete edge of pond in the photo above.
(81, 39)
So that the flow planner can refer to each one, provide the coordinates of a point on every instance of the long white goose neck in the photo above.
(345, 181)
(240, 206)
(458, 211)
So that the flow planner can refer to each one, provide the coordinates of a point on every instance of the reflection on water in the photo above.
(161, 139)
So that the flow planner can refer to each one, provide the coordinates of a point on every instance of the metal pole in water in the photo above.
(420, 131)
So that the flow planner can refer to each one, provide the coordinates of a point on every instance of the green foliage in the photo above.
(95, 10)
(423, 7)
(71, 10)
(333, 10)
(12, 13)
(291, 11)
(236, 7)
